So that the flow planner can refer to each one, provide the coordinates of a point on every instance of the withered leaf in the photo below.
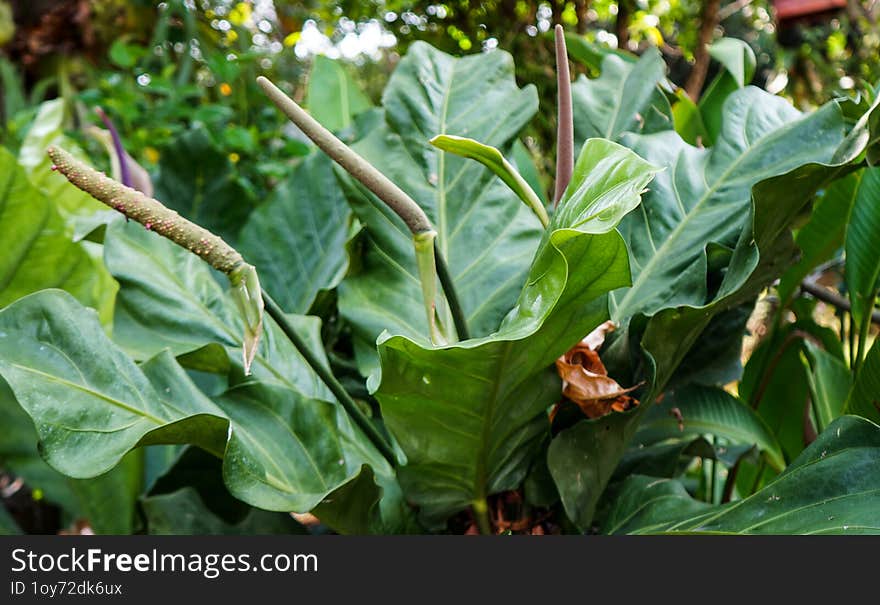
(585, 380)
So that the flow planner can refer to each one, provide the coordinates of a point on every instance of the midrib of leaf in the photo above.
(481, 478)
(86, 389)
(441, 170)
(695, 211)
(343, 96)
(612, 123)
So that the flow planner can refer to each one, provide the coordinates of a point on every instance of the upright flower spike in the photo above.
(166, 222)
(565, 121)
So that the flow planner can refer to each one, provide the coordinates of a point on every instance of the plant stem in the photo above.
(565, 121)
(330, 380)
(481, 515)
(392, 195)
(730, 483)
(458, 317)
(713, 469)
(397, 199)
(863, 341)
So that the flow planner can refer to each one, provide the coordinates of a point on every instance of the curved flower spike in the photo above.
(166, 222)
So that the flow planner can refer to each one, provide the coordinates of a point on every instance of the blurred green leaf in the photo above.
(333, 97)
(39, 249)
(297, 238)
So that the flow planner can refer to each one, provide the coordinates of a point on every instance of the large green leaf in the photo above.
(624, 98)
(296, 240)
(79, 208)
(169, 299)
(707, 410)
(704, 196)
(485, 233)
(862, 246)
(333, 98)
(91, 405)
(832, 487)
(776, 382)
(106, 502)
(823, 234)
(864, 398)
(738, 66)
(39, 251)
(830, 382)
(197, 179)
(471, 416)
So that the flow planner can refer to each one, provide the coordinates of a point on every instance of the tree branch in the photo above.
(833, 299)
(708, 21)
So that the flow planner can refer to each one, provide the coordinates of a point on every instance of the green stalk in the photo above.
(330, 380)
(864, 328)
(392, 195)
(481, 516)
(455, 308)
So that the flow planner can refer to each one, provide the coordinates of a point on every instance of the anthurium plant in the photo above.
(489, 360)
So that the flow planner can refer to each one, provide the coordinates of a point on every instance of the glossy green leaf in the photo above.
(864, 398)
(823, 234)
(471, 416)
(169, 299)
(738, 67)
(832, 488)
(333, 98)
(106, 502)
(737, 57)
(707, 410)
(197, 179)
(77, 207)
(493, 159)
(91, 405)
(182, 513)
(862, 246)
(704, 196)
(486, 235)
(583, 458)
(830, 381)
(624, 98)
(297, 238)
(688, 120)
(39, 251)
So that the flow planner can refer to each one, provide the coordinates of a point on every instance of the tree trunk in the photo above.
(624, 13)
(708, 21)
(581, 7)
